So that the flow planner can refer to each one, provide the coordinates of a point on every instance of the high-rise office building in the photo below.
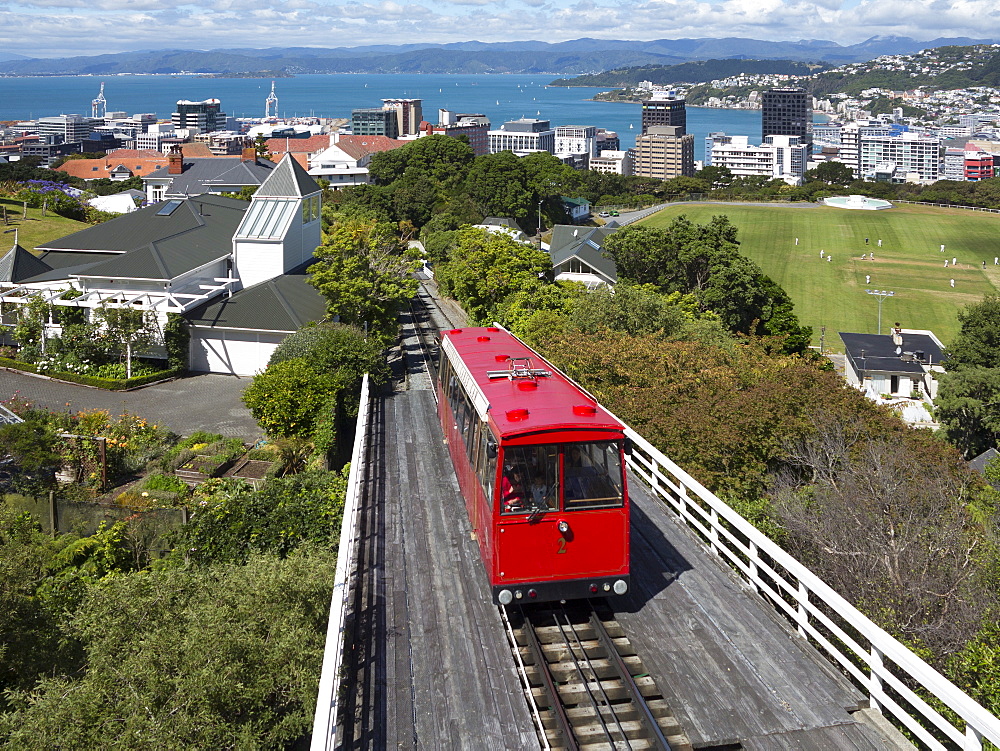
(663, 152)
(65, 128)
(523, 136)
(664, 109)
(787, 112)
(205, 117)
(409, 113)
(375, 121)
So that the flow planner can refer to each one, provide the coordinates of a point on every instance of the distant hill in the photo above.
(698, 72)
(979, 67)
(571, 57)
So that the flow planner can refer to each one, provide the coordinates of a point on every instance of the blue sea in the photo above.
(500, 97)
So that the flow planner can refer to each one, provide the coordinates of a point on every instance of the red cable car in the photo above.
(541, 467)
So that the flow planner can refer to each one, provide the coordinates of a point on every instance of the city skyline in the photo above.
(62, 28)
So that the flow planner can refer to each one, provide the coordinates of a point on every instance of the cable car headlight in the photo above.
(621, 587)
(505, 597)
(563, 526)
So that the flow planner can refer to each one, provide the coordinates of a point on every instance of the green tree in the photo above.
(716, 177)
(364, 272)
(498, 185)
(968, 406)
(832, 173)
(32, 444)
(232, 521)
(978, 340)
(260, 147)
(633, 309)
(288, 397)
(29, 330)
(127, 330)
(484, 268)
(207, 657)
(704, 260)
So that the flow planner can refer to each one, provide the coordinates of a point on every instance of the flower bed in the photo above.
(109, 384)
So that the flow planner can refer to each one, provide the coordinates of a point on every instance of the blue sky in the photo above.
(54, 28)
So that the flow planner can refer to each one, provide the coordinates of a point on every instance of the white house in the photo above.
(182, 256)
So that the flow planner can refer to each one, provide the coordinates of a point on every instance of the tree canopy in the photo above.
(704, 260)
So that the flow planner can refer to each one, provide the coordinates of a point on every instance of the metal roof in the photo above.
(587, 244)
(877, 352)
(285, 303)
(19, 264)
(521, 405)
(214, 172)
(288, 180)
(148, 246)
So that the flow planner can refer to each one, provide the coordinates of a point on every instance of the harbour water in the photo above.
(500, 97)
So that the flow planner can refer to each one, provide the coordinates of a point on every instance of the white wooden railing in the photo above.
(324, 734)
(880, 665)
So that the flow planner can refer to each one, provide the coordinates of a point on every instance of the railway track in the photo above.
(588, 687)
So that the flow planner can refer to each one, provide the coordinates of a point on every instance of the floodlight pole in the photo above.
(881, 295)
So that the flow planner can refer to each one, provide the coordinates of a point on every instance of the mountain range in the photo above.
(575, 56)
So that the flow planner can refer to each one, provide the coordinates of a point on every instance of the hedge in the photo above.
(108, 384)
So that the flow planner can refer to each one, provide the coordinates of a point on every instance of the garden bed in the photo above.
(108, 384)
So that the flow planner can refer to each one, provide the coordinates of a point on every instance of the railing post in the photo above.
(803, 617)
(752, 572)
(875, 692)
(973, 739)
(713, 532)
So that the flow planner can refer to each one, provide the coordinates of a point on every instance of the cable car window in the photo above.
(487, 463)
(530, 482)
(593, 475)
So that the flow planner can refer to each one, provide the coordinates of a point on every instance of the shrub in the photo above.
(165, 482)
(287, 398)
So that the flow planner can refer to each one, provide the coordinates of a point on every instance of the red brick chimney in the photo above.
(175, 160)
(249, 155)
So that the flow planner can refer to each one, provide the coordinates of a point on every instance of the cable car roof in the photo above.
(520, 396)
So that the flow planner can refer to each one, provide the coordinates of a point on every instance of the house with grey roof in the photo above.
(900, 364)
(184, 254)
(578, 255)
(187, 176)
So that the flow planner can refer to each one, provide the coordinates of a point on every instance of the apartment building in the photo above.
(664, 152)
(915, 155)
(523, 136)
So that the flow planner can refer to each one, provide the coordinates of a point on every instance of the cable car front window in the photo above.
(530, 481)
(593, 475)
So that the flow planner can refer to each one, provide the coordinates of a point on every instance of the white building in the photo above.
(234, 270)
(912, 153)
(782, 157)
(66, 128)
(613, 162)
(576, 139)
(523, 137)
(954, 164)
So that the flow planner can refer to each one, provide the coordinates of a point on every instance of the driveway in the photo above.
(196, 402)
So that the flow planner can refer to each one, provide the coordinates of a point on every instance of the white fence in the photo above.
(879, 664)
(324, 734)
(948, 206)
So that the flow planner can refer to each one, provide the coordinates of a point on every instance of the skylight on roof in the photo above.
(169, 208)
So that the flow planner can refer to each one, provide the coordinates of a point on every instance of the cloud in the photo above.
(56, 28)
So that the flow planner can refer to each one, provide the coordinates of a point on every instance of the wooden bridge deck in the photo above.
(735, 675)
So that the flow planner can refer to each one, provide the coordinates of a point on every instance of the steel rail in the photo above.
(549, 684)
(658, 739)
(578, 662)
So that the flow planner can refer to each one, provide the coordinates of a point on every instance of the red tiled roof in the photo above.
(94, 169)
(371, 144)
(309, 145)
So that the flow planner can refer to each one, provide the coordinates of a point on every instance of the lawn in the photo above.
(909, 263)
(35, 230)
